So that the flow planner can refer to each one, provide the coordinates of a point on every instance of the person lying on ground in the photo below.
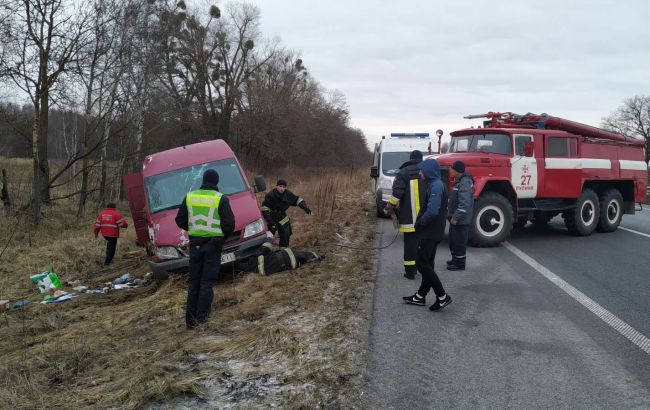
(268, 260)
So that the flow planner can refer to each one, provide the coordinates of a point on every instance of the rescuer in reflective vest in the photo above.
(461, 207)
(208, 219)
(430, 226)
(108, 222)
(274, 210)
(409, 192)
(267, 260)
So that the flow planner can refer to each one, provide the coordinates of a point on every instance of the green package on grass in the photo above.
(46, 280)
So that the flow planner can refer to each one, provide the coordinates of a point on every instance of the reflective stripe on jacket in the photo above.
(409, 193)
(203, 213)
(275, 205)
(108, 222)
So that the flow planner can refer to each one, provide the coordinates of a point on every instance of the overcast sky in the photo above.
(422, 65)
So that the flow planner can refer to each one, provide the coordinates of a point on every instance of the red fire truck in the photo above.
(533, 167)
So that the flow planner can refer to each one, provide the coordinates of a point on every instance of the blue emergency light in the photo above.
(412, 134)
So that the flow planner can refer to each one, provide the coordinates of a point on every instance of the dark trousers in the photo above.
(410, 252)
(458, 236)
(205, 261)
(284, 232)
(111, 245)
(425, 263)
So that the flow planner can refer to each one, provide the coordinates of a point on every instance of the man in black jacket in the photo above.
(208, 219)
(267, 261)
(430, 227)
(461, 208)
(274, 210)
(409, 192)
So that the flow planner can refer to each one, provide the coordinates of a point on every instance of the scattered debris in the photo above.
(122, 279)
(80, 288)
(62, 298)
(46, 280)
(4, 304)
(97, 290)
(121, 286)
(59, 293)
(19, 304)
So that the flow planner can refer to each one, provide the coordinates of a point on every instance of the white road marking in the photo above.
(633, 231)
(605, 315)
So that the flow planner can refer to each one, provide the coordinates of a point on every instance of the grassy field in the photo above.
(294, 340)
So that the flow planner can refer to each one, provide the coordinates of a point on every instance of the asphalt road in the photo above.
(513, 338)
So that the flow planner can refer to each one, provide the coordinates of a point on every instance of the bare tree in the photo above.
(632, 119)
(100, 70)
(235, 63)
(41, 39)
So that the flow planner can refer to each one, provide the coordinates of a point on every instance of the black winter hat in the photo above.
(211, 177)
(459, 166)
(281, 182)
(417, 154)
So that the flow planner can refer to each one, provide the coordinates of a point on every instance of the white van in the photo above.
(389, 155)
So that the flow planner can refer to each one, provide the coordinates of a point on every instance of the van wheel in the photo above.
(380, 209)
(583, 219)
(492, 220)
(611, 211)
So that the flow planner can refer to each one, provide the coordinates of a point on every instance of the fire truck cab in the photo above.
(535, 167)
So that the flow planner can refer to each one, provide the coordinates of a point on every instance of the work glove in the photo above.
(273, 228)
(389, 210)
(307, 210)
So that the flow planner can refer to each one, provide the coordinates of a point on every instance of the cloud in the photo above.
(418, 66)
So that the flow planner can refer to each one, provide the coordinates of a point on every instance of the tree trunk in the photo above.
(4, 194)
(37, 178)
(103, 161)
(87, 131)
(139, 136)
(43, 164)
(122, 169)
(224, 121)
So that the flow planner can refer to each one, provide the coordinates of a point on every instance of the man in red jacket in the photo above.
(109, 221)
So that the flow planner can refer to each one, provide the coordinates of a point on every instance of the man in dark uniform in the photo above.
(430, 227)
(208, 219)
(274, 210)
(409, 191)
(267, 261)
(461, 207)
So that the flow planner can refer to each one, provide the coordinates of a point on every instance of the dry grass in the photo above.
(295, 339)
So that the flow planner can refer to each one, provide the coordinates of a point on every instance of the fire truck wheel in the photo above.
(611, 211)
(492, 220)
(583, 219)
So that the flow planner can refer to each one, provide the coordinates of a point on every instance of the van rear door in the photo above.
(134, 184)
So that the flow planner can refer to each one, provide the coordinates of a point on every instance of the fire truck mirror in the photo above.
(374, 172)
(529, 149)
